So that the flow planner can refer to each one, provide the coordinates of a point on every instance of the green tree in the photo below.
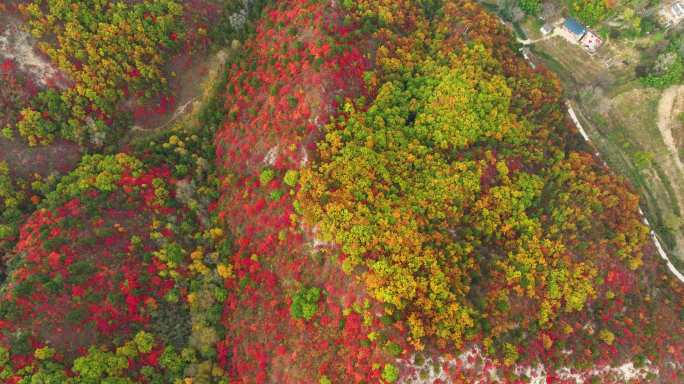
(305, 303)
(531, 7)
(390, 373)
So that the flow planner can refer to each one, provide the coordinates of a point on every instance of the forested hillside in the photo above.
(370, 191)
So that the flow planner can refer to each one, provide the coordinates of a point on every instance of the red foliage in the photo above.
(278, 99)
(7, 66)
(90, 283)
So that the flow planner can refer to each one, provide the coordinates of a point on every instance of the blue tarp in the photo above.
(574, 26)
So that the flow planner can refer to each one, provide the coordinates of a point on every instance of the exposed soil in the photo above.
(579, 66)
(669, 108)
(188, 72)
(18, 45)
(671, 104)
(192, 88)
(60, 156)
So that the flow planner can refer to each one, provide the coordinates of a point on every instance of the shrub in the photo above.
(8, 133)
(607, 336)
(266, 176)
(44, 353)
(670, 76)
(390, 373)
(531, 7)
(393, 349)
(171, 360)
(589, 11)
(291, 177)
(144, 342)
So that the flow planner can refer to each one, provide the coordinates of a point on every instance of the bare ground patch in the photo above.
(188, 75)
(17, 45)
(60, 157)
(670, 105)
(674, 117)
(574, 61)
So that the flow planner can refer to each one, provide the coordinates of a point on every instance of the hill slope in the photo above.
(377, 184)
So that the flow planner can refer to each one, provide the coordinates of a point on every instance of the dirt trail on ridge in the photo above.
(668, 109)
(666, 116)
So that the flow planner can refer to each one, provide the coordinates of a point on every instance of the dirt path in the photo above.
(672, 165)
(194, 90)
(530, 42)
(666, 116)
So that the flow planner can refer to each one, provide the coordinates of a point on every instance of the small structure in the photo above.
(672, 13)
(677, 10)
(527, 55)
(576, 33)
(590, 41)
(546, 29)
(574, 30)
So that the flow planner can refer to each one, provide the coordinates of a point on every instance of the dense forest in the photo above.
(367, 185)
